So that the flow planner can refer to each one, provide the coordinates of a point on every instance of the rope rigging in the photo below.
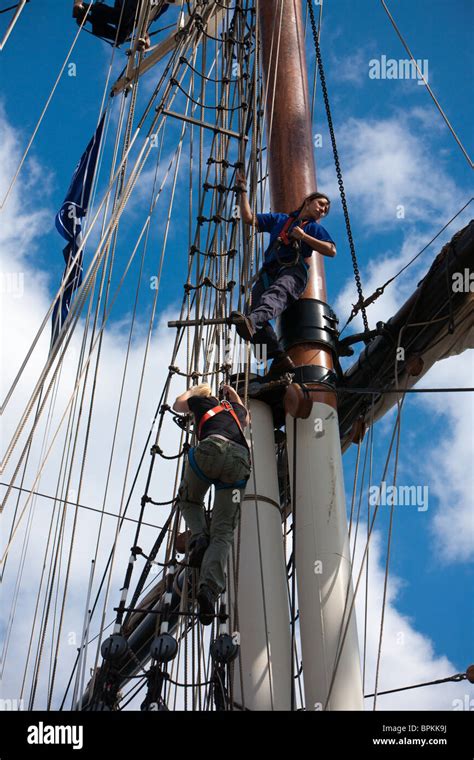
(340, 182)
(156, 642)
(432, 95)
(11, 7)
(381, 289)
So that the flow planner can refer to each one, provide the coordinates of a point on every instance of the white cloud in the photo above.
(448, 464)
(21, 238)
(353, 67)
(407, 656)
(378, 270)
(386, 163)
(21, 222)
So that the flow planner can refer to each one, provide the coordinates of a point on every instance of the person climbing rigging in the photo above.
(221, 458)
(114, 23)
(284, 274)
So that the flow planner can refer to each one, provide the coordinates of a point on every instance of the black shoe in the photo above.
(207, 601)
(197, 548)
(280, 365)
(243, 325)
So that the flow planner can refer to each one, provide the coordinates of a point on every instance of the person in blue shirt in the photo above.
(284, 274)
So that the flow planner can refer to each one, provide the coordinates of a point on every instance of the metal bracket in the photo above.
(309, 321)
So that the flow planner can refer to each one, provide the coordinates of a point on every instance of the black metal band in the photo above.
(309, 321)
(312, 373)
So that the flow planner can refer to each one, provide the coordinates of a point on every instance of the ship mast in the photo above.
(320, 534)
(263, 677)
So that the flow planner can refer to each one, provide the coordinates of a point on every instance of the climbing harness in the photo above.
(224, 406)
(269, 272)
(283, 239)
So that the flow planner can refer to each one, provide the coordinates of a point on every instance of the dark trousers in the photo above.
(230, 463)
(269, 302)
(105, 19)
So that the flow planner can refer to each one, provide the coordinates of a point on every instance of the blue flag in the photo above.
(68, 224)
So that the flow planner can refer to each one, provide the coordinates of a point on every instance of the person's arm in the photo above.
(181, 403)
(321, 246)
(232, 395)
(245, 210)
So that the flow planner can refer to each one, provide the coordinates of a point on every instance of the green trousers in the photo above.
(228, 462)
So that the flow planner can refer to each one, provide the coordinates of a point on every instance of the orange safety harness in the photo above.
(285, 229)
(224, 406)
(285, 240)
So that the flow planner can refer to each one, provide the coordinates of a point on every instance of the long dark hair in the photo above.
(311, 197)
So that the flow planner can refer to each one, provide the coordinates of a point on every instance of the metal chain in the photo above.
(360, 303)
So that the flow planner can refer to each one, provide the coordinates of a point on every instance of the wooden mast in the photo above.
(308, 333)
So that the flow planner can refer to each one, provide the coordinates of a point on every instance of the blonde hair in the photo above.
(204, 389)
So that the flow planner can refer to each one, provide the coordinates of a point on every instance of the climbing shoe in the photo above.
(280, 365)
(207, 601)
(243, 325)
(197, 548)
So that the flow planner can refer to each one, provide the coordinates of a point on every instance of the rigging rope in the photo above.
(379, 291)
(433, 96)
(340, 182)
(45, 108)
(454, 679)
(346, 619)
(389, 543)
(10, 8)
(188, 373)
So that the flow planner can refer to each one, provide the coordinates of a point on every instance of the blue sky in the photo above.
(352, 36)
(395, 150)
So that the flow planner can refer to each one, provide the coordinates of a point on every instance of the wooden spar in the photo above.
(288, 114)
(434, 298)
(291, 153)
(331, 680)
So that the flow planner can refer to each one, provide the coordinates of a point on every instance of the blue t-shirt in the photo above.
(274, 223)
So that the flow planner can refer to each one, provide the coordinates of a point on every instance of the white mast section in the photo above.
(262, 674)
(323, 565)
